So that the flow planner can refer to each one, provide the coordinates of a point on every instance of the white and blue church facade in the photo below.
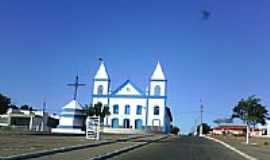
(131, 108)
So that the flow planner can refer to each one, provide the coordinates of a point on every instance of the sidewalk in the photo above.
(255, 149)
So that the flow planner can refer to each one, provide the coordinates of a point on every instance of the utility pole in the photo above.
(201, 126)
(247, 132)
(44, 106)
(195, 128)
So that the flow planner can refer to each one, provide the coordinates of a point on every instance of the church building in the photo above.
(132, 109)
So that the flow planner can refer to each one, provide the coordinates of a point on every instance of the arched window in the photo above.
(115, 109)
(138, 124)
(115, 123)
(100, 90)
(127, 109)
(139, 110)
(156, 110)
(157, 90)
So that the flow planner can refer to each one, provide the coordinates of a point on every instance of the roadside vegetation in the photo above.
(6, 103)
(251, 112)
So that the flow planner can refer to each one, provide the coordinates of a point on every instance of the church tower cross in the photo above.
(76, 85)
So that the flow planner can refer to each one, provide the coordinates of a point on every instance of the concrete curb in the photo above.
(125, 149)
(231, 148)
(63, 149)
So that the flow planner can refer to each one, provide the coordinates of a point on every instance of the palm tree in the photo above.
(97, 110)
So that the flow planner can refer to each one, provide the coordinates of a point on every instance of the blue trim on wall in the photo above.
(129, 96)
(69, 127)
(100, 96)
(159, 80)
(157, 97)
(72, 116)
(102, 79)
(72, 110)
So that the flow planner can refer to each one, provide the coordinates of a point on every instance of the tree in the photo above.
(206, 128)
(4, 104)
(174, 130)
(251, 112)
(25, 107)
(13, 106)
(97, 110)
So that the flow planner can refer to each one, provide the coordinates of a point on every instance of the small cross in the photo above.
(76, 85)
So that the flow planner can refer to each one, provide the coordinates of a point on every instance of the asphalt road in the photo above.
(181, 148)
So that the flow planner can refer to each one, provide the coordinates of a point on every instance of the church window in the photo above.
(139, 110)
(156, 110)
(115, 109)
(127, 109)
(157, 90)
(100, 90)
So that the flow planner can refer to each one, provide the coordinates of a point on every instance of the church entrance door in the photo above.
(115, 123)
(138, 124)
(126, 123)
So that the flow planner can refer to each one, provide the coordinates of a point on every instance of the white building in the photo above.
(28, 120)
(268, 127)
(265, 128)
(131, 108)
(71, 119)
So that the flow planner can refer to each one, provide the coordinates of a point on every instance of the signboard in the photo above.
(93, 128)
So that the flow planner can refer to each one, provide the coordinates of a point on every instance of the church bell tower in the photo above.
(101, 85)
(157, 98)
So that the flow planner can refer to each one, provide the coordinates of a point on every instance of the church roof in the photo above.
(73, 104)
(127, 89)
(158, 73)
(102, 72)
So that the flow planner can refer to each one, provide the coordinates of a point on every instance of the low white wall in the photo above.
(122, 131)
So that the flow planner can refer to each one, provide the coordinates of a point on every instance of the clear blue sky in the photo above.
(44, 44)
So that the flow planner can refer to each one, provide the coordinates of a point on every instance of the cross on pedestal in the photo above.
(76, 85)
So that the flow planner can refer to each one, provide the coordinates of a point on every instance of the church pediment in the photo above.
(127, 89)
